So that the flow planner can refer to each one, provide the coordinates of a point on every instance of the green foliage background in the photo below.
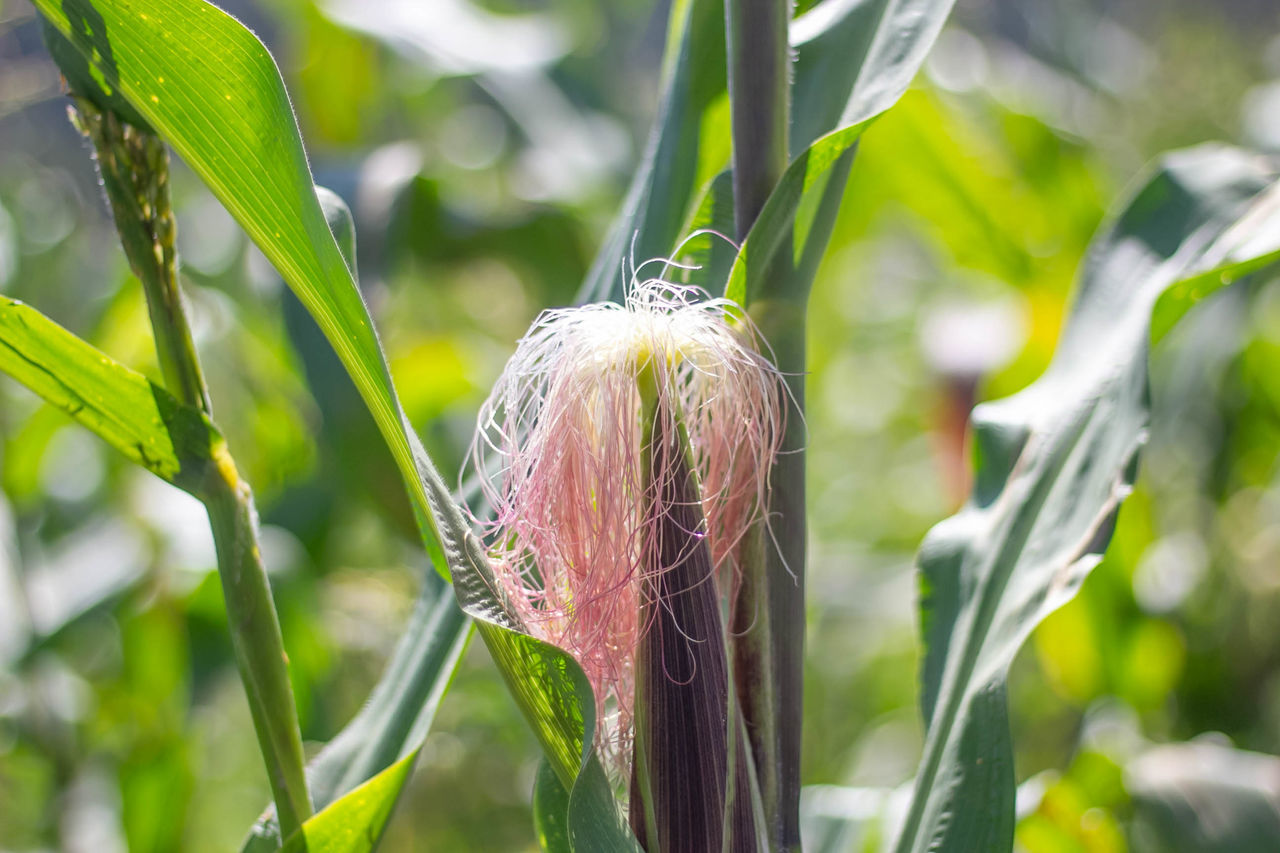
(481, 182)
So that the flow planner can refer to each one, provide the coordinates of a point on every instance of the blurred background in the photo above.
(484, 146)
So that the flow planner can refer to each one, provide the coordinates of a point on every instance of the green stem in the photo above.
(769, 658)
(134, 165)
(751, 647)
(256, 638)
(759, 99)
(776, 660)
(768, 619)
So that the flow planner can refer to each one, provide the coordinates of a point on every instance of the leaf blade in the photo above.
(1055, 462)
(354, 823)
(855, 59)
(142, 420)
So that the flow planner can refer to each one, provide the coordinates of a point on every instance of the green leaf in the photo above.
(556, 699)
(143, 421)
(1053, 465)
(550, 811)
(551, 690)
(854, 59)
(595, 822)
(206, 85)
(585, 820)
(179, 444)
(667, 178)
(780, 256)
(355, 823)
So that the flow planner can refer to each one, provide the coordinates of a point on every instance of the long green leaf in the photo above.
(584, 819)
(551, 811)
(143, 421)
(1054, 463)
(208, 87)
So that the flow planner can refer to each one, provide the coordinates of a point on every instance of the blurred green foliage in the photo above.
(481, 181)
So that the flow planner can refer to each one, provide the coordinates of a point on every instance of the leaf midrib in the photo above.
(941, 727)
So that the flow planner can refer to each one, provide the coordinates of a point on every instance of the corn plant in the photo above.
(629, 544)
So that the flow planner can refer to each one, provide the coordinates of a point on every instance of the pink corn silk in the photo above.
(558, 450)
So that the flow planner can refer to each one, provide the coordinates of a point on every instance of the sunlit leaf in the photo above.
(855, 58)
(587, 819)
(1054, 464)
(143, 421)
(551, 811)
(355, 823)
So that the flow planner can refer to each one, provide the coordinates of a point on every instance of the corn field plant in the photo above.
(629, 538)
